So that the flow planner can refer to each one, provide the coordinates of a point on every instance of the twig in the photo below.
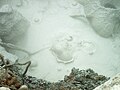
(14, 47)
(26, 69)
(6, 65)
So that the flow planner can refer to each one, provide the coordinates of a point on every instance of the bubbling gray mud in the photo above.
(65, 46)
(79, 46)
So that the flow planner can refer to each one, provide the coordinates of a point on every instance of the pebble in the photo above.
(23, 87)
(4, 88)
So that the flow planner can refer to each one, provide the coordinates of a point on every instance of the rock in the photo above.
(4, 88)
(23, 87)
(12, 23)
(76, 80)
(112, 84)
(104, 20)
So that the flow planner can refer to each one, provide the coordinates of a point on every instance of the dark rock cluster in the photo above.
(77, 80)
(14, 76)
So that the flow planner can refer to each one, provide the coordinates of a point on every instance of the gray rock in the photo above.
(105, 20)
(112, 84)
(12, 23)
(23, 87)
(4, 88)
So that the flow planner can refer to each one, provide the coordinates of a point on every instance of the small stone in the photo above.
(23, 87)
(9, 77)
(4, 88)
(9, 82)
(17, 85)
